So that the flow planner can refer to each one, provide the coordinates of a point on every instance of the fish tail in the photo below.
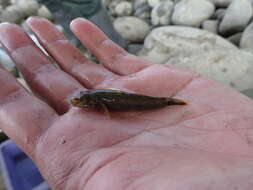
(175, 101)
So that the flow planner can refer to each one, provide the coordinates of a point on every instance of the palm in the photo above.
(205, 144)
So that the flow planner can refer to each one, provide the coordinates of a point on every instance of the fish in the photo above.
(117, 100)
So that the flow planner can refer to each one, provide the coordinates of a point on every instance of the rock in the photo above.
(192, 12)
(153, 3)
(134, 48)
(161, 13)
(248, 92)
(106, 2)
(139, 3)
(45, 13)
(24, 84)
(5, 3)
(36, 41)
(219, 14)
(172, 41)
(142, 9)
(235, 39)
(28, 7)
(123, 8)
(1, 9)
(12, 14)
(236, 18)
(211, 26)
(112, 6)
(24, 25)
(221, 3)
(232, 67)
(7, 62)
(59, 27)
(247, 37)
(131, 28)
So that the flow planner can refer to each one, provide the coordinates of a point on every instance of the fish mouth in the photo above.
(77, 103)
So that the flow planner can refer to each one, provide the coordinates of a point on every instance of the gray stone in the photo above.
(233, 68)
(161, 13)
(24, 84)
(219, 14)
(6, 61)
(192, 12)
(134, 48)
(247, 37)
(236, 18)
(142, 9)
(123, 8)
(153, 3)
(131, 28)
(221, 3)
(235, 38)
(112, 6)
(172, 41)
(45, 13)
(5, 3)
(139, 3)
(28, 7)
(106, 2)
(12, 14)
(211, 26)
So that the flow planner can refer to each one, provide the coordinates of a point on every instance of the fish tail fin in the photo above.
(175, 101)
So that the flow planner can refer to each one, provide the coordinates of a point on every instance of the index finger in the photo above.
(108, 53)
(23, 117)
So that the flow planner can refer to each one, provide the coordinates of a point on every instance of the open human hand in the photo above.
(204, 145)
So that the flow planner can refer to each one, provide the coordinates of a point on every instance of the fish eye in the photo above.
(75, 101)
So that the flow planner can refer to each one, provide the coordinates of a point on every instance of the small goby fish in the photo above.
(109, 99)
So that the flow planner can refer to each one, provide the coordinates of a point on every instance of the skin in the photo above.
(202, 146)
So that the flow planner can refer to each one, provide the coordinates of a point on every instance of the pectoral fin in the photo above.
(106, 110)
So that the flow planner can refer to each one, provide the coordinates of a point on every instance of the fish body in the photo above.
(119, 100)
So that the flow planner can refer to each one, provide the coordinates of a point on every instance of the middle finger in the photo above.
(49, 82)
(69, 58)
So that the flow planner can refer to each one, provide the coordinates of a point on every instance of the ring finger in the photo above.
(46, 80)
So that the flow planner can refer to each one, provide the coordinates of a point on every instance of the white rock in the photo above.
(219, 14)
(211, 26)
(112, 6)
(192, 12)
(24, 84)
(221, 3)
(6, 61)
(139, 3)
(234, 68)
(143, 12)
(236, 18)
(1, 9)
(12, 14)
(247, 37)
(106, 2)
(131, 28)
(28, 7)
(124, 8)
(172, 41)
(5, 3)
(153, 3)
(45, 13)
(161, 13)
(235, 38)
(36, 41)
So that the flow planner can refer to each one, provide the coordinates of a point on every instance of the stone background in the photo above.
(211, 37)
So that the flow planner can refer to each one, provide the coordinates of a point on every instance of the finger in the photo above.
(108, 53)
(23, 117)
(67, 56)
(49, 82)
